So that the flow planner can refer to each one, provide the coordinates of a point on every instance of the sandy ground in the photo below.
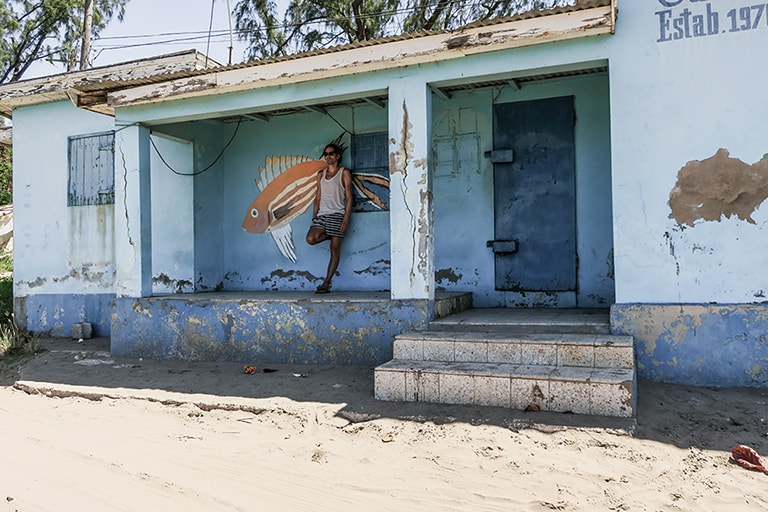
(83, 431)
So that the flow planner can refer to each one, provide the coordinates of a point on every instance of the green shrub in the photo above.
(14, 341)
(6, 176)
(6, 293)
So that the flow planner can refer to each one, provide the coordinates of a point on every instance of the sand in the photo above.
(83, 431)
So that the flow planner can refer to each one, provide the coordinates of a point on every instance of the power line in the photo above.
(112, 43)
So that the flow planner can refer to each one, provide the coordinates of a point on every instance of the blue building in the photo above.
(598, 156)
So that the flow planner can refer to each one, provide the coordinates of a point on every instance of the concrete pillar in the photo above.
(133, 230)
(411, 230)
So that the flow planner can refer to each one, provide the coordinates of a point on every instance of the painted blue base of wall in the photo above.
(54, 314)
(699, 345)
(259, 328)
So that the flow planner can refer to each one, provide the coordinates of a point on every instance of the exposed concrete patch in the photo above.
(331, 330)
(718, 187)
(279, 275)
(447, 274)
(177, 285)
(377, 267)
(398, 160)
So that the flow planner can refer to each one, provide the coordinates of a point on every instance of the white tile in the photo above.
(525, 392)
(539, 353)
(492, 391)
(566, 395)
(427, 387)
(456, 389)
(614, 357)
(439, 351)
(612, 399)
(471, 351)
(575, 355)
(505, 353)
(389, 386)
(411, 350)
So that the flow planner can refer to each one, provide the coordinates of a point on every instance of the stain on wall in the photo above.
(717, 187)
(700, 345)
(269, 330)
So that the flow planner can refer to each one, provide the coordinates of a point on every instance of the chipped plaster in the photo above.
(717, 187)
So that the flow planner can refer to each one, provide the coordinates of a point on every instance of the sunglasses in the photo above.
(329, 153)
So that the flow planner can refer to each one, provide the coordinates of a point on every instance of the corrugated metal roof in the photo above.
(91, 86)
(578, 6)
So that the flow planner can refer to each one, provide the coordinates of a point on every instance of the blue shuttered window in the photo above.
(370, 171)
(91, 169)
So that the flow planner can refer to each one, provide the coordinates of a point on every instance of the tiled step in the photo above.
(581, 390)
(578, 350)
(527, 321)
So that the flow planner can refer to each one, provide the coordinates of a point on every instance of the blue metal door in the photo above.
(534, 195)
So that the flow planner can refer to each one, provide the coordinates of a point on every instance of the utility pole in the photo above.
(85, 48)
(231, 43)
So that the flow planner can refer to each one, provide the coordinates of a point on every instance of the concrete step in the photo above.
(526, 321)
(581, 390)
(578, 350)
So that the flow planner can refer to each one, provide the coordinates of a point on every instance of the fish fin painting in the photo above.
(370, 171)
(283, 237)
(287, 187)
(367, 197)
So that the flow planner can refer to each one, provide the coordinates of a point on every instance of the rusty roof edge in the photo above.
(506, 33)
(579, 5)
(128, 74)
(53, 87)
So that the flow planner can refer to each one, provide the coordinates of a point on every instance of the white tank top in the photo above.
(332, 197)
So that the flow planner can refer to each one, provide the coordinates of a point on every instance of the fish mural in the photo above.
(288, 185)
(366, 196)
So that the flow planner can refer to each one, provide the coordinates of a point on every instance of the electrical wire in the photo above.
(223, 33)
(196, 173)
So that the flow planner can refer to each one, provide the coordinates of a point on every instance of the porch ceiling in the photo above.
(446, 92)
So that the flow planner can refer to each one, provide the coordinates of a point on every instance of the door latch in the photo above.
(502, 246)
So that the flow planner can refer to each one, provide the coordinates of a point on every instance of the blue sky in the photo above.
(166, 26)
(181, 24)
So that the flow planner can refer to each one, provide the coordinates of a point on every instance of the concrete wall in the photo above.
(689, 182)
(268, 328)
(229, 258)
(464, 206)
(63, 256)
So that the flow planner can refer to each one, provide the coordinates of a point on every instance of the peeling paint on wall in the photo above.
(398, 160)
(266, 330)
(376, 268)
(717, 187)
(177, 285)
(700, 345)
(84, 274)
(278, 275)
(447, 274)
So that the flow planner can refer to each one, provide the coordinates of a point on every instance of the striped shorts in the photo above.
(330, 223)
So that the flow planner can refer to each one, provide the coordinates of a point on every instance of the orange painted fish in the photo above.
(288, 185)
